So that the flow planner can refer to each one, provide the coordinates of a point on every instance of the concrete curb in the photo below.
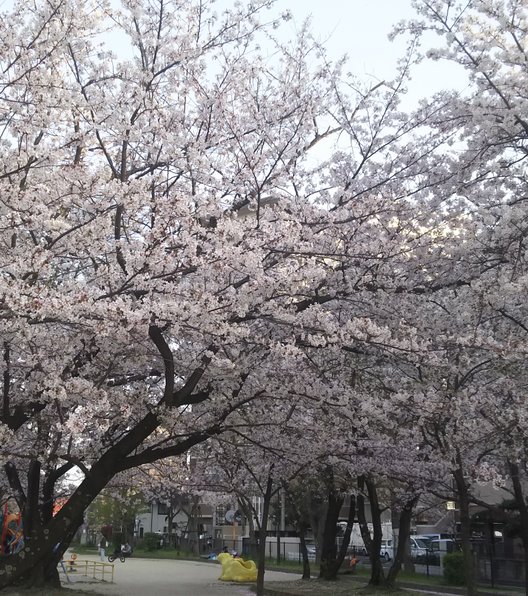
(272, 592)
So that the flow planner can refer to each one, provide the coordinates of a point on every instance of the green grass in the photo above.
(83, 549)
(290, 566)
(165, 553)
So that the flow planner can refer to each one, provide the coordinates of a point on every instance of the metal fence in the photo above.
(493, 569)
(496, 570)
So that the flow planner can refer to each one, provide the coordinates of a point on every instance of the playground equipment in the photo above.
(93, 569)
(11, 526)
(71, 562)
(12, 538)
(235, 569)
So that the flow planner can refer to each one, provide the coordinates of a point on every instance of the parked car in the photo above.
(356, 550)
(312, 552)
(419, 547)
(386, 550)
(444, 545)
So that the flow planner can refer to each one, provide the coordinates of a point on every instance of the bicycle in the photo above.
(121, 554)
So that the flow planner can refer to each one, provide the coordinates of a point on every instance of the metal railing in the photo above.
(93, 569)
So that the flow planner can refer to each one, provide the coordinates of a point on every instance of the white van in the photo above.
(386, 551)
(418, 548)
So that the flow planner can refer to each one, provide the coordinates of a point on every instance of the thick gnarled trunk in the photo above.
(328, 569)
(49, 537)
(46, 539)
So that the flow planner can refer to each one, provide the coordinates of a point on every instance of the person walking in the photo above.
(102, 548)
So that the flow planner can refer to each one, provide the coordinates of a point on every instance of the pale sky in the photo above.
(359, 28)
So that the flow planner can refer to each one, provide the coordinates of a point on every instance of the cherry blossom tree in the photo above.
(179, 261)
(130, 284)
(257, 459)
(479, 322)
(168, 245)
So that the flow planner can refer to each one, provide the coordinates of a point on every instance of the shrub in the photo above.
(151, 541)
(454, 569)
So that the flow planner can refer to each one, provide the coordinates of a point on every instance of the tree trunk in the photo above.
(278, 527)
(328, 569)
(36, 565)
(405, 517)
(49, 538)
(194, 532)
(317, 513)
(372, 543)
(249, 514)
(465, 531)
(304, 552)
(262, 537)
(170, 515)
(46, 541)
(348, 532)
(395, 524)
(523, 514)
(299, 515)
(42, 576)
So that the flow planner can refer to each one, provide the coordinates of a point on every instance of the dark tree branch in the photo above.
(48, 490)
(30, 513)
(181, 396)
(156, 336)
(15, 484)
(120, 381)
(151, 455)
(7, 381)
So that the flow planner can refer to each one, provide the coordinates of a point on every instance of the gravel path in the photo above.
(161, 577)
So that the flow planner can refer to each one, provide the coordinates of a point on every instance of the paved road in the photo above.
(157, 577)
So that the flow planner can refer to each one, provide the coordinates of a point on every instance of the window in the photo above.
(163, 509)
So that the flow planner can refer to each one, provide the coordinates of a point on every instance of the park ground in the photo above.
(165, 577)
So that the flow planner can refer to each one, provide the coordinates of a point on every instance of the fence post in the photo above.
(492, 568)
(491, 531)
